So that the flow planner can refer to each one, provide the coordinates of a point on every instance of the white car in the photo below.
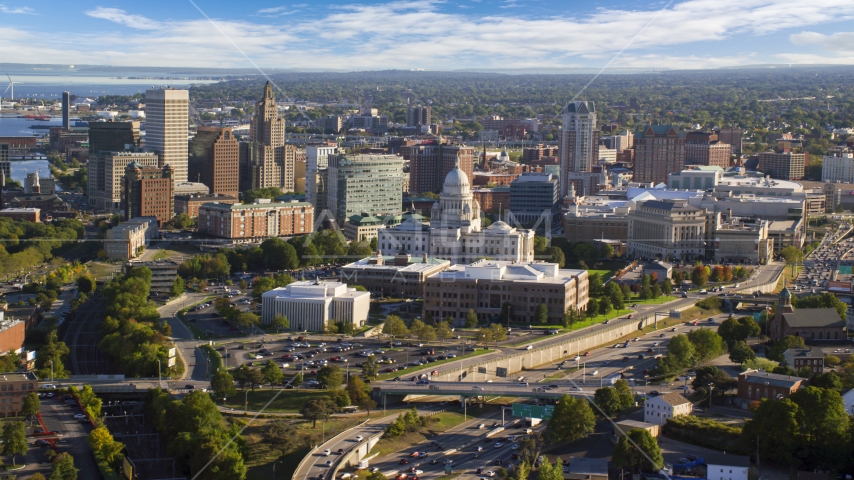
(529, 347)
(499, 445)
(359, 438)
(481, 426)
(515, 446)
(477, 387)
(479, 449)
(258, 357)
(578, 357)
(490, 473)
(79, 416)
(419, 472)
(327, 452)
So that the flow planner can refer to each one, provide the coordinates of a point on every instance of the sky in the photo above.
(428, 34)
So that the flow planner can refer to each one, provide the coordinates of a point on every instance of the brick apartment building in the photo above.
(754, 385)
(492, 200)
(148, 192)
(13, 388)
(429, 164)
(256, 221)
(783, 165)
(704, 148)
(214, 159)
(659, 151)
(190, 204)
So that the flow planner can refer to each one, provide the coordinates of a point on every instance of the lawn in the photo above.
(101, 270)
(605, 274)
(439, 423)
(407, 371)
(651, 301)
(561, 374)
(290, 401)
(788, 277)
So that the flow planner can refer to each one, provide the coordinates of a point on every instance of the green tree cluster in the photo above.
(406, 422)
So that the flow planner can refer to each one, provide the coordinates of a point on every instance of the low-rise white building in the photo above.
(313, 305)
(124, 241)
(726, 467)
(658, 409)
(838, 166)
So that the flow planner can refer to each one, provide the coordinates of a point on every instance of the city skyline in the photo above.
(433, 34)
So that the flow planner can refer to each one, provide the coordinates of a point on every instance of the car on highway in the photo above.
(340, 451)
(594, 373)
(522, 384)
(576, 389)
(359, 438)
(498, 444)
(403, 461)
(477, 387)
(79, 416)
(529, 347)
(423, 382)
(327, 452)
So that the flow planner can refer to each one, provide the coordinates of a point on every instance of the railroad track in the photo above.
(83, 336)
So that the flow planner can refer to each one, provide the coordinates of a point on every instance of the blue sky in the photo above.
(428, 34)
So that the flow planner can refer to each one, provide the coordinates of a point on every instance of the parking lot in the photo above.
(295, 355)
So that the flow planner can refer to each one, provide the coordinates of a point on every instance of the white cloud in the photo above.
(119, 16)
(277, 11)
(17, 10)
(840, 41)
(418, 33)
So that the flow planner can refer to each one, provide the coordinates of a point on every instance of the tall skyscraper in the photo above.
(213, 160)
(579, 147)
(417, 115)
(659, 151)
(266, 160)
(316, 162)
(5, 163)
(107, 179)
(166, 126)
(370, 184)
(429, 164)
(113, 136)
(66, 106)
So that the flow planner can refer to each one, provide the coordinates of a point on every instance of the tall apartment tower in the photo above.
(732, 136)
(148, 192)
(579, 146)
(66, 106)
(214, 157)
(704, 148)
(266, 160)
(166, 128)
(417, 115)
(371, 184)
(659, 151)
(429, 164)
(5, 163)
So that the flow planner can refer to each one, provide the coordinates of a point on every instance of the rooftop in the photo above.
(587, 466)
(240, 206)
(19, 377)
(674, 399)
(772, 379)
(814, 317)
(415, 264)
(19, 210)
(728, 460)
(508, 271)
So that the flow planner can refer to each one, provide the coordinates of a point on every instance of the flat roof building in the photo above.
(257, 221)
(127, 240)
(393, 276)
(486, 285)
(311, 305)
(16, 386)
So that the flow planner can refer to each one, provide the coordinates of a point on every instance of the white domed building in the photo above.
(454, 232)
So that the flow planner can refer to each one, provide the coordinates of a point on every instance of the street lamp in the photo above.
(159, 378)
(274, 467)
(245, 401)
(711, 387)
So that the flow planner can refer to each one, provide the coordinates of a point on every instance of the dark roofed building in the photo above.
(754, 385)
(661, 269)
(808, 323)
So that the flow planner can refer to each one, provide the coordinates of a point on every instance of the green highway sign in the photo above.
(845, 270)
(532, 411)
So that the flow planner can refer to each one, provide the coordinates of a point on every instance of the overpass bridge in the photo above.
(489, 389)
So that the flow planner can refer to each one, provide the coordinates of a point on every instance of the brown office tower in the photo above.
(148, 192)
(429, 164)
(215, 159)
(704, 148)
(659, 150)
(783, 165)
(266, 161)
(732, 136)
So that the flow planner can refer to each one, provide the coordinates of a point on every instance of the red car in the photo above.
(403, 461)
(413, 454)
(402, 476)
(587, 354)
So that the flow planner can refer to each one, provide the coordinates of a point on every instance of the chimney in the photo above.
(424, 258)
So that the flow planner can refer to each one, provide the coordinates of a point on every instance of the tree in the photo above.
(395, 327)
(317, 409)
(774, 427)
(497, 333)
(427, 333)
(592, 307)
(254, 378)
(775, 352)
(356, 389)
(680, 352)
(279, 255)
(717, 274)
(104, 444)
(367, 403)
(715, 376)
(330, 377)
(739, 353)
(547, 471)
(707, 343)
(283, 435)
(14, 439)
(415, 327)
(471, 319)
(569, 318)
(541, 315)
(734, 330)
(625, 393)
(86, 284)
(655, 291)
(594, 285)
(297, 380)
(443, 330)
(605, 306)
(31, 405)
(370, 368)
(281, 322)
(615, 293)
(506, 314)
(222, 384)
(608, 400)
(272, 373)
(177, 287)
(699, 276)
(792, 255)
(667, 286)
(556, 256)
(63, 467)
(638, 451)
(829, 380)
(572, 419)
